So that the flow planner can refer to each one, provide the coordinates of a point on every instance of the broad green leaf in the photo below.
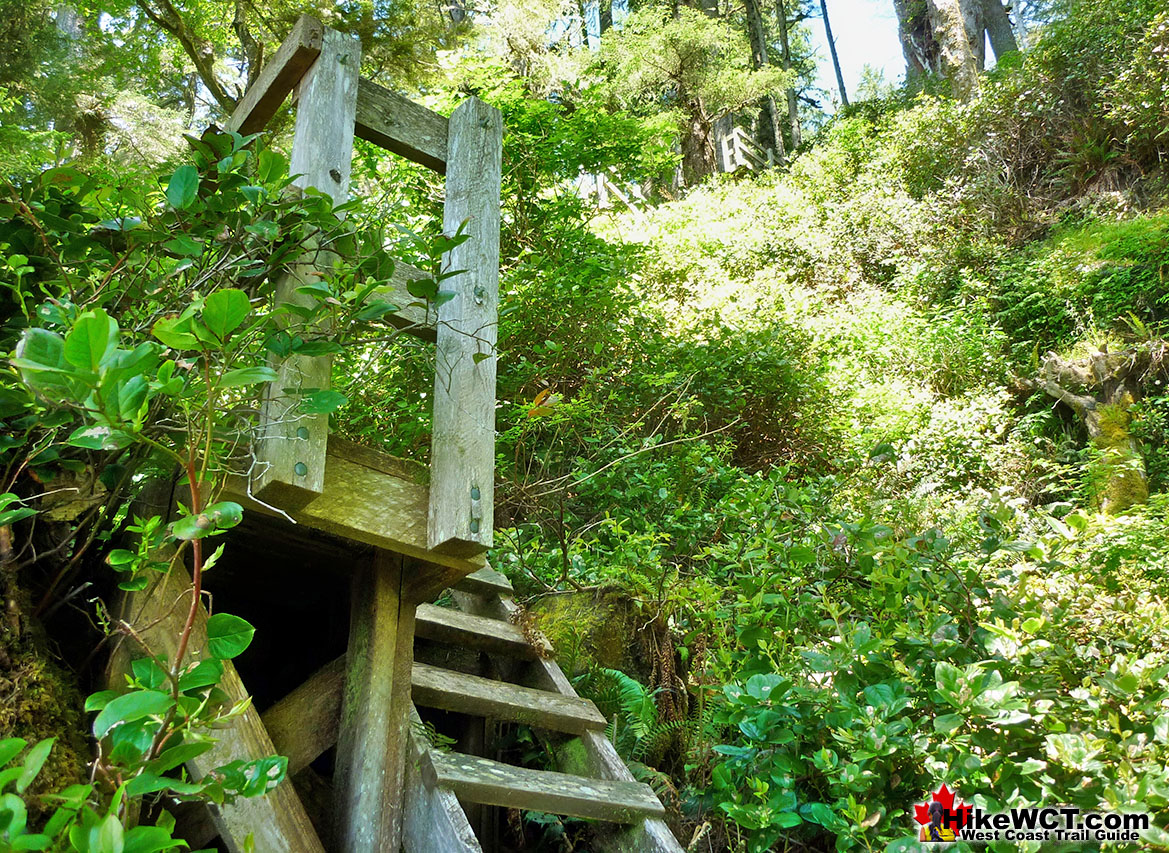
(176, 755)
(203, 674)
(99, 438)
(322, 402)
(97, 701)
(947, 723)
(225, 514)
(41, 347)
(183, 187)
(247, 376)
(108, 836)
(10, 748)
(176, 333)
(33, 763)
(184, 245)
(224, 311)
(228, 635)
(149, 839)
(128, 707)
(132, 395)
(92, 340)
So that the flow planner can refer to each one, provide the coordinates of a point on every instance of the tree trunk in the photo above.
(697, 146)
(959, 60)
(759, 58)
(917, 41)
(832, 50)
(793, 104)
(1101, 389)
(999, 29)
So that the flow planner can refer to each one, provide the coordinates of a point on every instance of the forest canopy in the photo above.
(831, 433)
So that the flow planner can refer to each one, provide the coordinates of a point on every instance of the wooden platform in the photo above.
(369, 497)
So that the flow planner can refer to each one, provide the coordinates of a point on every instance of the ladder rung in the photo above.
(486, 581)
(481, 780)
(435, 687)
(461, 630)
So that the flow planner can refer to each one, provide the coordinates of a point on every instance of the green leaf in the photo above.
(224, 310)
(97, 701)
(42, 348)
(132, 395)
(176, 755)
(228, 635)
(10, 748)
(33, 763)
(99, 438)
(322, 402)
(246, 376)
(108, 836)
(176, 333)
(128, 707)
(183, 187)
(203, 674)
(184, 246)
(947, 723)
(92, 340)
(149, 839)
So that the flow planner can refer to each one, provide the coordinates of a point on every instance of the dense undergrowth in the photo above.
(788, 432)
(794, 426)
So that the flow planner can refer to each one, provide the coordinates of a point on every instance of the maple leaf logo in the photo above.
(944, 796)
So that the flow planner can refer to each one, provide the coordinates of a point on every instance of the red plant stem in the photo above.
(164, 731)
(196, 572)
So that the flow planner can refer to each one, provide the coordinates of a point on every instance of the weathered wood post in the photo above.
(290, 456)
(462, 466)
(375, 706)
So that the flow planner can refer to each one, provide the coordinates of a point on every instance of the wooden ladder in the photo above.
(596, 783)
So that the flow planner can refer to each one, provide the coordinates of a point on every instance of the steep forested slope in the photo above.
(830, 483)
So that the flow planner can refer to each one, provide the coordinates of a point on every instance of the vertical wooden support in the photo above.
(375, 708)
(462, 477)
(276, 821)
(290, 457)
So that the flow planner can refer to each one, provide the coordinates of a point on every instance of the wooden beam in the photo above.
(415, 318)
(401, 126)
(486, 581)
(304, 723)
(372, 497)
(448, 690)
(463, 630)
(290, 456)
(276, 821)
(375, 707)
(433, 821)
(462, 486)
(482, 780)
(592, 754)
(279, 76)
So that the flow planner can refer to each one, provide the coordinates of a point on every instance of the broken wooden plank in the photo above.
(462, 630)
(448, 690)
(290, 455)
(279, 76)
(401, 126)
(276, 821)
(462, 470)
(433, 821)
(482, 780)
(375, 707)
(485, 581)
(303, 724)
